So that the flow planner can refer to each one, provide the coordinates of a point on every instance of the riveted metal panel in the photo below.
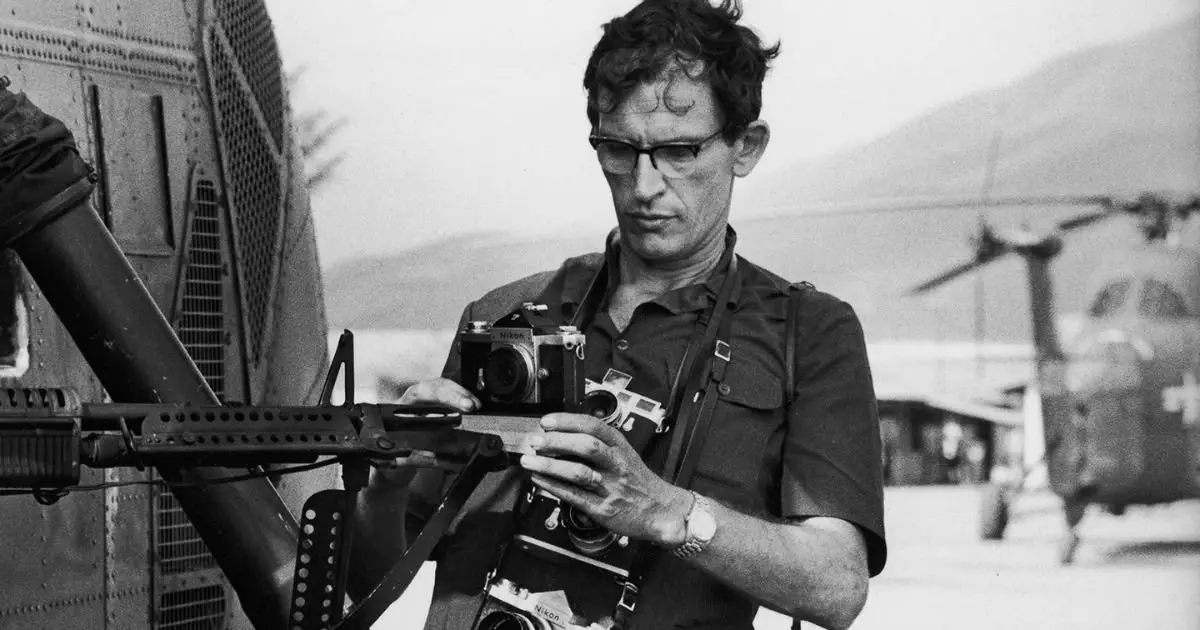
(63, 16)
(61, 585)
(127, 551)
(137, 194)
(69, 34)
(157, 23)
(55, 578)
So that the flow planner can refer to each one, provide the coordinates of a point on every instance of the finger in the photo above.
(581, 476)
(581, 446)
(565, 492)
(581, 423)
(439, 391)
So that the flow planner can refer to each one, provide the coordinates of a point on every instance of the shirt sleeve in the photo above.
(453, 367)
(832, 462)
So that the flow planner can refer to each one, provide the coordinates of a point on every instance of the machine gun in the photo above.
(43, 447)
(165, 415)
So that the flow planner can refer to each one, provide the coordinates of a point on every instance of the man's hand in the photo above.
(590, 465)
(439, 391)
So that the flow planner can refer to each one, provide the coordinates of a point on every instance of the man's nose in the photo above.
(648, 181)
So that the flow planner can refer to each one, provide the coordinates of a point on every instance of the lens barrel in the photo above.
(588, 536)
(509, 374)
(602, 404)
(505, 620)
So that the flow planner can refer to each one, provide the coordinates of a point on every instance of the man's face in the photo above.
(666, 220)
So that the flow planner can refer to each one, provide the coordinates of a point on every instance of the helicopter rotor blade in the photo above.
(988, 248)
(946, 276)
(1084, 220)
(909, 204)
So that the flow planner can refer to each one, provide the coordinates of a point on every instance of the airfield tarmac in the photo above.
(1140, 571)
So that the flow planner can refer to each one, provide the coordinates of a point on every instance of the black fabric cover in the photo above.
(38, 157)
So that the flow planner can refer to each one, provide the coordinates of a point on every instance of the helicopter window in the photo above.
(1158, 299)
(1110, 299)
(14, 329)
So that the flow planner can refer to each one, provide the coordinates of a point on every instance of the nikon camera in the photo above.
(510, 607)
(523, 364)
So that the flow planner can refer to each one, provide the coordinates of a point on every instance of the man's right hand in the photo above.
(442, 392)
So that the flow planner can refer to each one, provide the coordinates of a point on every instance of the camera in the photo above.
(523, 364)
(510, 607)
(554, 531)
(639, 417)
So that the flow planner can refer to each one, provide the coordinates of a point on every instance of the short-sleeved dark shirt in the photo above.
(818, 456)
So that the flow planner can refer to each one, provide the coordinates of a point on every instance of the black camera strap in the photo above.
(712, 330)
(690, 424)
(687, 427)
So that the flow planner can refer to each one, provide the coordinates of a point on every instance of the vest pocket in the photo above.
(748, 411)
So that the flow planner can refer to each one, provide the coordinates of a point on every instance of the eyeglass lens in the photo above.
(619, 158)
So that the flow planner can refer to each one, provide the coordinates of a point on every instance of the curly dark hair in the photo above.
(660, 37)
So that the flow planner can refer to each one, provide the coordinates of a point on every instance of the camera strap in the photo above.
(713, 329)
(687, 437)
(688, 441)
(688, 428)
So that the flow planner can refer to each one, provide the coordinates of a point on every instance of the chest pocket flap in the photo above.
(749, 410)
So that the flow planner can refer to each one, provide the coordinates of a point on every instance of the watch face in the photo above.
(703, 525)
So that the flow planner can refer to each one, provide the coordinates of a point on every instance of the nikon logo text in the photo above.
(509, 335)
(549, 613)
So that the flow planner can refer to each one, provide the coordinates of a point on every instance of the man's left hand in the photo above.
(590, 465)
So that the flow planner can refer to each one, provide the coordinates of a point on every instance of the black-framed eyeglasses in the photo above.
(672, 159)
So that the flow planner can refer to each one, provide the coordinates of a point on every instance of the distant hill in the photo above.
(1114, 119)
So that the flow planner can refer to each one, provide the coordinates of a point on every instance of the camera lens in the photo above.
(587, 536)
(501, 620)
(508, 374)
(602, 404)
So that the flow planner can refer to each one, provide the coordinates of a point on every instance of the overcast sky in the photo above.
(469, 115)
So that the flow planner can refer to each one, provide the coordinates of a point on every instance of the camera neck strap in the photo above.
(703, 380)
(690, 423)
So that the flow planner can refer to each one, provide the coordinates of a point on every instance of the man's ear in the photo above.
(750, 147)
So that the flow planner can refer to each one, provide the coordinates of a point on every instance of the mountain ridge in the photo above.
(1113, 119)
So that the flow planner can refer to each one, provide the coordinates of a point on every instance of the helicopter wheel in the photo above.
(1074, 509)
(993, 512)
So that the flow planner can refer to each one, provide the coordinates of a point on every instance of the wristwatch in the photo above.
(701, 527)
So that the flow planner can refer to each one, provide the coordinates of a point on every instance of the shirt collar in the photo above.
(690, 298)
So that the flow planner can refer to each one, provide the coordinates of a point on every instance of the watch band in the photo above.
(693, 543)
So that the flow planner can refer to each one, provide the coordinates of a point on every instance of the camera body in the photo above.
(637, 416)
(555, 531)
(523, 364)
(510, 606)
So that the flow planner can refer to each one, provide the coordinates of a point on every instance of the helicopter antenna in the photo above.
(989, 180)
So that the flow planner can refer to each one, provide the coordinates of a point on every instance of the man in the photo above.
(784, 507)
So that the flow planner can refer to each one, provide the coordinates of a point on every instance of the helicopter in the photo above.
(1117, 407)
(182, 110)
